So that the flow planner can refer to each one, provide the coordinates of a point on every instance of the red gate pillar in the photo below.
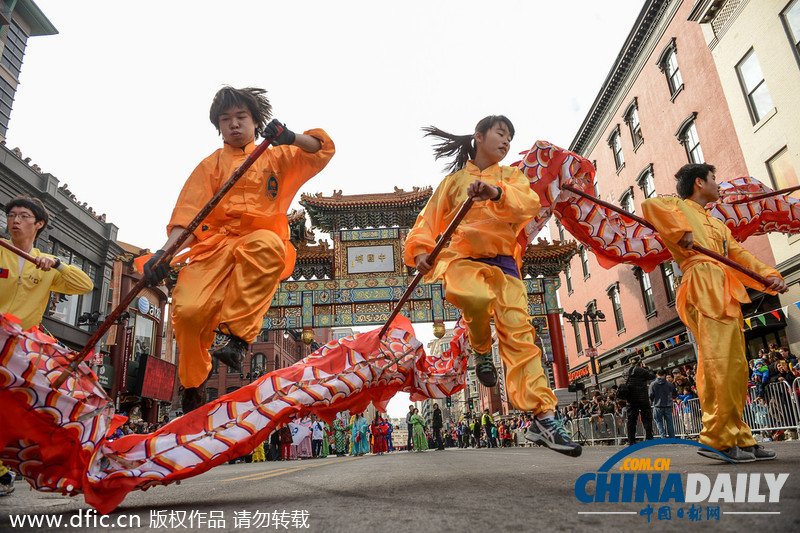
(560, 373)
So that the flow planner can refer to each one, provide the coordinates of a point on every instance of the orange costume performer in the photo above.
(709, 303)
(242, 249)
(483, 290)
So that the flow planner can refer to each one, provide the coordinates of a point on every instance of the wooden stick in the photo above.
(696, 247)
(165, 258)
(462, 211)
(17, 251)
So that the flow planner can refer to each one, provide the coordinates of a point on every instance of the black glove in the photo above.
(154, 275)
(286, 136)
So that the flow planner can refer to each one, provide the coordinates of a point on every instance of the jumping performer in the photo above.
(241, 251)
(480, 266)
(709, 303)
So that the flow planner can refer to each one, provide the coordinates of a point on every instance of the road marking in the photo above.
(281, 471)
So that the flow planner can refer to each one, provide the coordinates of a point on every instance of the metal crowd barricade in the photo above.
(688, 418)
(777, 410)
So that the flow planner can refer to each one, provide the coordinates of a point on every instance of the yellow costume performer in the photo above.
(709, 303)
(241, 251)
(25, 293)
(483, 290)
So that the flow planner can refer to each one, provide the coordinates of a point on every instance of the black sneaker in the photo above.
(7, 484)
(192, 398)
(734, 454)
(551, 433)
(229, 349)
(484, 369)
(760, 453)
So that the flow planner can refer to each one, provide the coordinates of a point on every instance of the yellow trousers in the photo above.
(233, 285)
(483, 291)
(722, 373)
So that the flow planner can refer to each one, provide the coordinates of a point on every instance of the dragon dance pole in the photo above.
(714, 255)
(17, 251)
(165, 258)
(764, 195)
(462, 211)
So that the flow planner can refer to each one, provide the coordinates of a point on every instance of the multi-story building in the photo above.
(77, 234)
(661, 106)
(756, 48)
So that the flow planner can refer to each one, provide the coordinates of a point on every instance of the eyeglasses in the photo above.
(23, 216)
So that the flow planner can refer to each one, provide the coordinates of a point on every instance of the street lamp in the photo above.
(595, 316)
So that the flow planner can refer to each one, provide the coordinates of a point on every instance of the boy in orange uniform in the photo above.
(240, 253)
(709, 303)
(480, 266)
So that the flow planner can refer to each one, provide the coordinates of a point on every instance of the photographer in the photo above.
(638, 401)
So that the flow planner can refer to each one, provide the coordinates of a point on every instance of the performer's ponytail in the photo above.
(462, 146)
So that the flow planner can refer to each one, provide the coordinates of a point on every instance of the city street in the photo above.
(511, 489)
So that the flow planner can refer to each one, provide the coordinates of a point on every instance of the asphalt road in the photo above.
(512, 489)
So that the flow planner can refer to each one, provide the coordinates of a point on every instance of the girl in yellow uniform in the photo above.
(480, 266)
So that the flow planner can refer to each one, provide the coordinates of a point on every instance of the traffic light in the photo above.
(470, 404)
(448, 402)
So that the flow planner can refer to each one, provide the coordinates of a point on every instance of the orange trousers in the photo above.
(233, 284)
(483, 291)
(722, 373)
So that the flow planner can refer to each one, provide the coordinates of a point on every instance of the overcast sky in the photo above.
(116, 105)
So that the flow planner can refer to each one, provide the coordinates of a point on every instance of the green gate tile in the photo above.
(551, 286)
(436, 300)
(370, 319)
(323, 321)
(323, 297)
(308, 308)
(451, 314)
(369, 234)
(378, 294)
(422, 315)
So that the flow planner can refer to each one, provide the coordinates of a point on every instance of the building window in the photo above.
(584, 261)
(668, 63)
(647, 290)
(646, 182)
(68, 307)
(668, 273)
(759, 101)
(687, 136)
(632, 120)
(616, 306)
(211, 394)
(568, 275)
(592, 308)
(615, 143)
(626, 201)
(791, 19)
(782, 171)
(214, 365)
(576, 327)
(144, 336)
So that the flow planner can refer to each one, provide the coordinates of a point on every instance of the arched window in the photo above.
(258, 365)
(687, 136)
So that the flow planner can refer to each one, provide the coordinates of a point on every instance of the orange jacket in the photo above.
(259, 200)
(489, 229)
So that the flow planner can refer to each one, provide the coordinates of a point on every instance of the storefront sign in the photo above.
(126, 356)
(575, 374)
(156, 378)
(105, 376)
(147, 308)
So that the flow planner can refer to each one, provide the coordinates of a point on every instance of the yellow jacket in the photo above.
(714, 289)
(26, 296)
(259, 200)
(489, 229)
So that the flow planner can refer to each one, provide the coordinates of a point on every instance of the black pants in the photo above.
(647, 421)
(437, 438)
(410, 436)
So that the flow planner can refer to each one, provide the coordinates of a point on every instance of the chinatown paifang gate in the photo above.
(357, 280)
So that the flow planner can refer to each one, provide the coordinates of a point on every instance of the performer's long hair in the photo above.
(253, 98)
(462, 146)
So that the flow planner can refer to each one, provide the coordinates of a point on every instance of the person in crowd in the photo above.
(638, 401)
(760, 376)
(437, 426)
(686, 409)
(662, 397)
(709, 302)
(360, 435)
(389, 439)
(378, 429)
(286, 442)
(242, 250)
(410, 426)
(317, 436)
(781, 373)
(275, 445)
(419, 440)
(488, 424)
(339, 436)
